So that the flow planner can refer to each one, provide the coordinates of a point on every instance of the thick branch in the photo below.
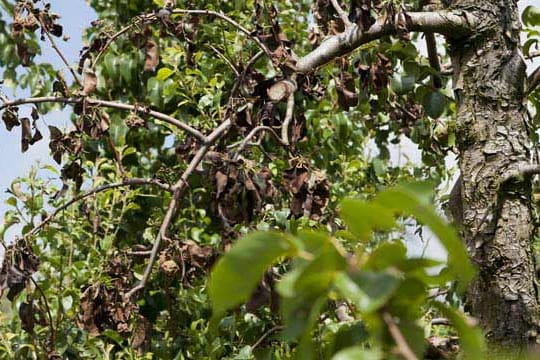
(452, 24)
(109, 104)
(126, 182)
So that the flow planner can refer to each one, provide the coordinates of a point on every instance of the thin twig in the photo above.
(178, 189)
(252, 134)
(109, 104)
(342, 14)
(224, 58)
(125, 182)
(60, 54)
(225, 18)
(117, 156)
(153, 17)
(265, 335)
(398, 337)
(51, 325)
(533, 54)
(136, 20)
(140, 252)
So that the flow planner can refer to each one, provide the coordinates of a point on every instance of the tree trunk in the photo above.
(492, 128)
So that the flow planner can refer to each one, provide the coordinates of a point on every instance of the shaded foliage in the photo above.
(338, 271)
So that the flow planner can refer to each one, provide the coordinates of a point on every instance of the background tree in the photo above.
(196, 122)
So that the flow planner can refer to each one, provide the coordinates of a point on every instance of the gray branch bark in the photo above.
(450, 23)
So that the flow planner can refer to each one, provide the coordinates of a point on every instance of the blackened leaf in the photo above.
(346, 90)
(26, 314)
(36, 137)
(57, 30)
(35, 114)
(10, 119)
(56, 134)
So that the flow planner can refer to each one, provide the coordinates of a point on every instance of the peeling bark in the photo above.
(497, 223)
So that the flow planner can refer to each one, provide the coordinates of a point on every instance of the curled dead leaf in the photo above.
(26, 134)
(152, 55)
(90, 82)
(346, 91)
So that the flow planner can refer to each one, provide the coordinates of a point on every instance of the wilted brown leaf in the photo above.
(18, 265)
(310, 190)
(134, 121)
(152, 55)
(346, 91)
(26, 314)
(90, 82)
(26, 134)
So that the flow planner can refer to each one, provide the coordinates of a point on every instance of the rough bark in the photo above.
(497, 223)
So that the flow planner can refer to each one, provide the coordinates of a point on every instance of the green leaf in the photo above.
(113, 335)
(386, 255)
(155, 92)
(239, 271)
(362, 217)
(118, 130)
(164, 73)
(304, 290)
(244, 354)
(470, 336)
(11, 201)
(434, 104)
(531, 16)
(413, 200)
(402, 84)
(127, 69)
(358, 353)
(368, 290)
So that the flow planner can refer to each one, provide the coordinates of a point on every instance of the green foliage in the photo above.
(377, 282)
(327, 273)
(235, 276)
